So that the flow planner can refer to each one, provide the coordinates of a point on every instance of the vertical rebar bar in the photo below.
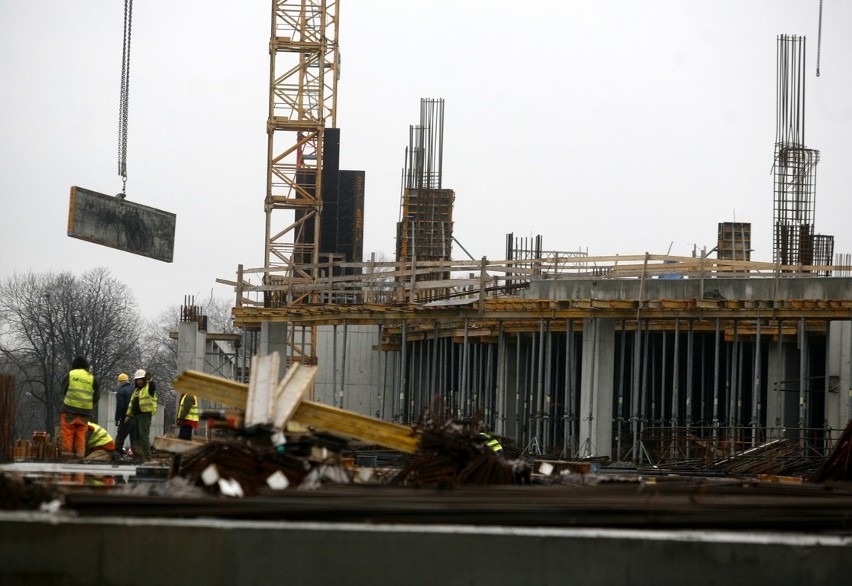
(716, 366)
(383, 389)
(568, 432)
(663, 390)
(547, 387)
(463, 387)
(634, 389)
(803, 359)
(403, 376)
(620, 401)
(518, 384)
(676, 375)
(779, 386)
(756, 390)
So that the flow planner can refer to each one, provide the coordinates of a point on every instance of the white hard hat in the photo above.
(139, 374)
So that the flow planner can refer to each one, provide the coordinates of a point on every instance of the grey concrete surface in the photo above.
(755, 288)
(42, 548)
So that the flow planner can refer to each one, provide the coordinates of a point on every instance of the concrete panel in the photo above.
(125, 225)
(38, 548)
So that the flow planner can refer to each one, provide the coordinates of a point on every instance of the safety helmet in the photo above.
(139, 374)
(123, 377)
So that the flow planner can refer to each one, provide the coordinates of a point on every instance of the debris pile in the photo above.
(20, 493)
(838, 466)
(240, 468)
(451, 455)
(780, 458)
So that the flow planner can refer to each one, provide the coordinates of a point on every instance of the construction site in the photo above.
(658, 416)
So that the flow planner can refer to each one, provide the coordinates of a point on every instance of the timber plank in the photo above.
(317, 415)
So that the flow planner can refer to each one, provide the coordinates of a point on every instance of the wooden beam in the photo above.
(316, 415)
(357, 426)
(262, 389)
(291, 390)
(212, 388)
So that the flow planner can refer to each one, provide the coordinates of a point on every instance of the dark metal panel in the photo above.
(124, 225)
(350, 238)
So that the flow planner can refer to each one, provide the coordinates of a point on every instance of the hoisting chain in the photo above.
(124, 97)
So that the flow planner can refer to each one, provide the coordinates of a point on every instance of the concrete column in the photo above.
(273, 338)
(782, 384)
(508, 397)
(191, 346)
(106, 409)
(596, 387)
(839, 408)
(500, 385)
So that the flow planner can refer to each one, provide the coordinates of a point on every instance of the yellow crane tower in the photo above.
(303, 74)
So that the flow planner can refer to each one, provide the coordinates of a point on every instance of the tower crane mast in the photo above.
(303, 75)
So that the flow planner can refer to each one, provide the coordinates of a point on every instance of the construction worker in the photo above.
(122, 400)
(81, 395)
(187, 417)
(491, 442)
(143, 405)
(99, 444)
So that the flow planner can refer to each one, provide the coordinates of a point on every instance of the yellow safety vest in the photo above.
(492, 443)
(193, 411)
(147, 402)
(81, 389)
(97, 436)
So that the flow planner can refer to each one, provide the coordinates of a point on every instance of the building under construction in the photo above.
(666, 368)
(632, 358)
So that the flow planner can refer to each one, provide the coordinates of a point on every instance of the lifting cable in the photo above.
(124, 98)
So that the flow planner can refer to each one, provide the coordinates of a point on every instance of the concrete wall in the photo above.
(354, 374)
(840, 373)
(39, 548)
(743, 289)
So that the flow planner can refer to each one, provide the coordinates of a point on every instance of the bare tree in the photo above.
(46, 319)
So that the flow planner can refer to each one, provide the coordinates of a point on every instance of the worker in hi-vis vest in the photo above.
(143, 405)
(97, 438)
(491, 442)
(187, 416)
(81, 396)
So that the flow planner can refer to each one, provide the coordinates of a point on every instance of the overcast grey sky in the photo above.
(619, 127)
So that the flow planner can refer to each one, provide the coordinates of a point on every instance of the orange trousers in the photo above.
(73, 428)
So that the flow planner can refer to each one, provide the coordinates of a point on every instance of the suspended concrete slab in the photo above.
(121, 224)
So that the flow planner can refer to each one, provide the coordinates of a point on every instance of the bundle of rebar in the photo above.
(779, 457)
(240, 462)
(838, 466)
(451, 456)
(17, 492)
